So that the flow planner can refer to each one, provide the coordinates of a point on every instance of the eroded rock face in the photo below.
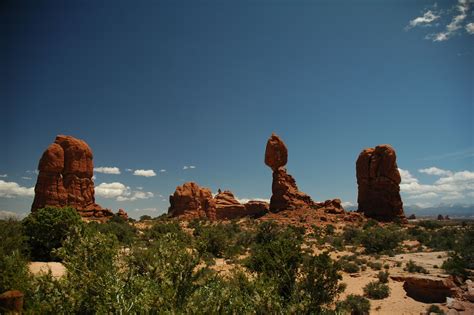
(285, 193)
(379, 180)
(192, 201)
(65, 178)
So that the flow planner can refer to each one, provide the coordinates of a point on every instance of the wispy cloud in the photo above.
(245, 200)
(13, 190)
(120, 192)
(435, 171)
(26, 177)
(128, 170)
(162, 171)
(457, 155)
(425, 19)
(456, 15)
(186, 167)
(107, 170)
(3, 175)
(145, 173)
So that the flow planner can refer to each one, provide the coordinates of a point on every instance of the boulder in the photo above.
(378, 182)
(276, 153)
(11, 301)
(65, 178)
(285, 193)
(255, 208)
(192, 201)
(428, 289)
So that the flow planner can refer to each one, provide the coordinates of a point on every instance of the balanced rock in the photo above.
(65, 178)
(276, 153)
(192, 201)
(285, 193)
(379, 180)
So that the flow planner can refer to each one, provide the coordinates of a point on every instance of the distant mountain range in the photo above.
(453, 210)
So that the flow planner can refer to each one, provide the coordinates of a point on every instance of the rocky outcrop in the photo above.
(192, 201)
(122, 214)
(428, 289)
(227, 206)
(379, 180)
(11, 302)
(65, 178)
(285, 193)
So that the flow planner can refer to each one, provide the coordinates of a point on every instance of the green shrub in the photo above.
(145, 217)
(375, 265)
(376, 290)
(161, 228)
(383, 276)
(411, 266)
(355, 305)
(276, 256)
(319, 284)
(429, 224)
(352, 235)
(120, 228)
(434, 309)
(381, 240)
(47, 228)
(330, 229)
(349, 267)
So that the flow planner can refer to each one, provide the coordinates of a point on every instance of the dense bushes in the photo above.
(462, 258)
(383, 240)
(47, 228)
(13, 250)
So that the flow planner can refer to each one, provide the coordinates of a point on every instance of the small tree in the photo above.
(354, 305)
(47, 228)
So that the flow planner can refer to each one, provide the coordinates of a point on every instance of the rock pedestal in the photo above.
(65, 178)
(285, 193)
(379, 180)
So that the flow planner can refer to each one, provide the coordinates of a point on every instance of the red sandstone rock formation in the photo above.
(65, 178)
(285, 193)
(191, 201)
(379, 180)
(428, 289)
(121, 213)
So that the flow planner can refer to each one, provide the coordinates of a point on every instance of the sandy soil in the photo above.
(37, 267)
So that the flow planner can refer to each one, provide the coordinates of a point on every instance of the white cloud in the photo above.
(32, 172)
(347, 204)
(245, 200)
(185, 167)
(131, 196)
(145, 173)
(10, 214)
(111, 190)
(457, 19)
(12, 190)
(449, 186)
(120, 192)
(426, 19)
(128, 170)
(139, 187)
(470, 28)
(188, 167)
(3, 175)
(406, 176)
(107, 170)
(435, 171)
(162, 170)
(26, 177)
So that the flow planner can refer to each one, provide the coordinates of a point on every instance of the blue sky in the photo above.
(159, 85)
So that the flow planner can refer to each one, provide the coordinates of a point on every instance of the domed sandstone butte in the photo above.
(191, 201)
(65, 178)
(285, 193)
(379, 180)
